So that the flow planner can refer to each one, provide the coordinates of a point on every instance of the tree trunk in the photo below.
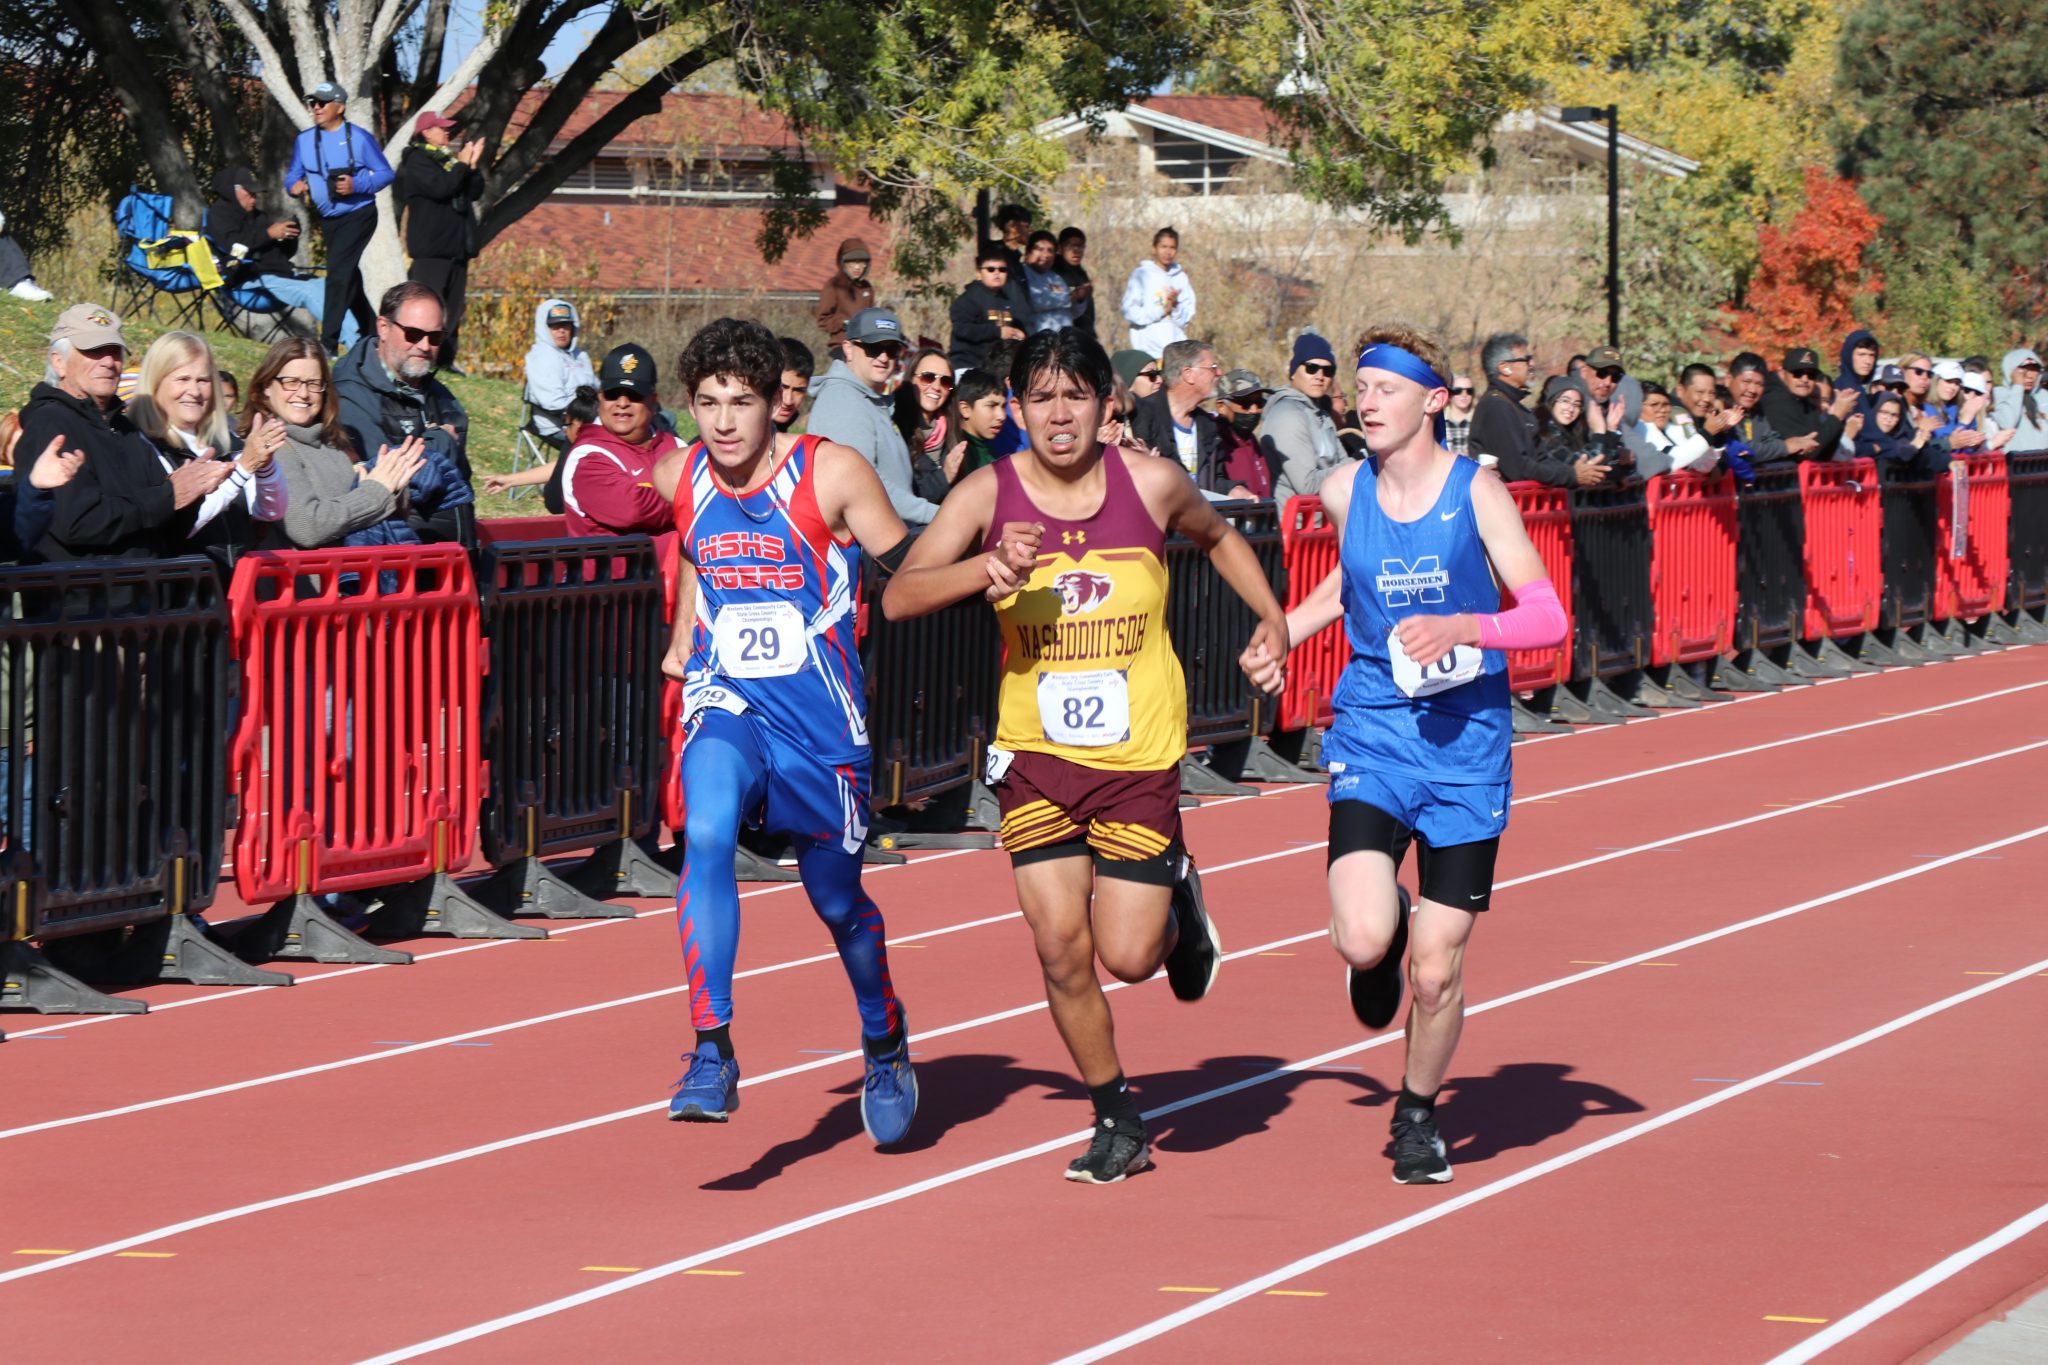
(142, 102)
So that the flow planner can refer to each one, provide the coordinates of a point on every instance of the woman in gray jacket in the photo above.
(330, 496)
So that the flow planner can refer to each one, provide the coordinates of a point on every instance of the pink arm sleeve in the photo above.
(1536, 621)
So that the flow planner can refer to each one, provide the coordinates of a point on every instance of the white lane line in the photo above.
(583, 1125)
(1900, 1295)
(1294, 1269)
(1781, 743)
(1207, 1305)
(382, 1054)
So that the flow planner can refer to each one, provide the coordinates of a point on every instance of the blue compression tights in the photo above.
(725, 775)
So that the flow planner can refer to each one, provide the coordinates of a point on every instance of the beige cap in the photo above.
(88, 326)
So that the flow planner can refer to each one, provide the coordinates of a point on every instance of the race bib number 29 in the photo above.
(759, 639)
(1088, 710)
(1455, 669)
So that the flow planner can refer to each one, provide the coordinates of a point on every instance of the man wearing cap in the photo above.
(2018, 405)
(608, 475)
(439, 183)
(121, 504)
(846, 293)
(851, 405)
(1298, 435)
(1241, 469)
(1791, 403)
(339, 168)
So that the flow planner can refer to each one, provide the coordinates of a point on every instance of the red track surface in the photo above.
(1595, 1020)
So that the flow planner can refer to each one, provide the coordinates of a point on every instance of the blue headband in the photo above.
(1385, 356)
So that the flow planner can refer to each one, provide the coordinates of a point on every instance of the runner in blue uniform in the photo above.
(1419, 750)
(774, 705)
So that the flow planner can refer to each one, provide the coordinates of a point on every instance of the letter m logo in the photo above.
(1402, 584)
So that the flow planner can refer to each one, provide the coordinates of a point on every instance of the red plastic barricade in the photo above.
(1972, 584)
(1844, 509)
(1308, 548)
(671, 698)
(495, 529)
(1692, 566)
(1547, 517)
(357, 761)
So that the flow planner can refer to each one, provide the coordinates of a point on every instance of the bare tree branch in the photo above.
(276, 75)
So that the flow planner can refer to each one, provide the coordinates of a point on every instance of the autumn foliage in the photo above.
(1811, 273)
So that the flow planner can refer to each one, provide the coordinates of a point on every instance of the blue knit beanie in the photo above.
(1309, 346)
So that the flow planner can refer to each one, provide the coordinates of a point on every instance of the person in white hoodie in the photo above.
(556, 367)
(1159, 301)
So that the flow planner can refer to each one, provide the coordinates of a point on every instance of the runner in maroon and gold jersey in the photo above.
(1092, 718)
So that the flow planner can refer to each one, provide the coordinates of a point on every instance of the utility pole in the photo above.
(1611, 116)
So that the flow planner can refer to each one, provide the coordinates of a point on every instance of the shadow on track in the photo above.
(951, 1091)
(1519, 1105)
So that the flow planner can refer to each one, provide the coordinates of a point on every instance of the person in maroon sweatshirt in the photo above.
(608, 475)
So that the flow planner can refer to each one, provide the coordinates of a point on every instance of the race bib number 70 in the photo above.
(1455, 669)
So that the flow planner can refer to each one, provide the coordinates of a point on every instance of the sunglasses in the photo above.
(618, 395)
(1462, 388)
(320, 104)
(1152, 375)
(415, 335)
(1518, 360)
(1609, 373)
(1319, 367)
(891, 350)
(1920, 370)
(995, 270)
(943, 380)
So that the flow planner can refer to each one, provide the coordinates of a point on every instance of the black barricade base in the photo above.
(437, 905)
(573, 723)
(299, 928)
(2026, 599)
(30, 981)
(174, 948)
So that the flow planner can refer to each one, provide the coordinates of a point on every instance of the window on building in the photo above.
(1201, 167)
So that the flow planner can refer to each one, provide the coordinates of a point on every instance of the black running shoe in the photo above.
(1118, 1150)
(1419, 1153)
(1191, 966)
(1376, 991)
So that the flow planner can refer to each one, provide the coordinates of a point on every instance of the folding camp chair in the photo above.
(531, 450)
(244, 300)
(161, 263)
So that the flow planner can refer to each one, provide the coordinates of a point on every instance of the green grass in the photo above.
(493, 404)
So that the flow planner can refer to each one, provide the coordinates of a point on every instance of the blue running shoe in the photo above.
(710, 1090)
(888, 1095)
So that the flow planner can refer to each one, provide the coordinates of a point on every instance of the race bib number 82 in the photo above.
(1088, 710)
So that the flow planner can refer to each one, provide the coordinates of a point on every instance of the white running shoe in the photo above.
(30, 290)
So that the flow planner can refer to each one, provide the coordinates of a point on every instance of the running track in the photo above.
(1756, 1044)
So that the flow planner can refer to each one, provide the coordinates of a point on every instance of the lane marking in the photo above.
(614, 1269)
(1902, 1294)
(714, 1272)
(148, 1255)
(1775, 1317)
(44, 1251)
(601, 1120)
(843, 1211)
(664, 992)
(1299, 1293)
(1542, 798)
(1564, 1160)
(1180, 1288)
(1587, 962)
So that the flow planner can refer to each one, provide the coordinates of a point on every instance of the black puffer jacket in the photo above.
(228, 225)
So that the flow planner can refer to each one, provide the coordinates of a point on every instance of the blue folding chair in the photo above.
(156, 262)
(243, 300)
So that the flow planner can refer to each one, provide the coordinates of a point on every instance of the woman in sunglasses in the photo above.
(923, 414)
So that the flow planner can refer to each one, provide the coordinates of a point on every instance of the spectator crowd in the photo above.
(353, 439)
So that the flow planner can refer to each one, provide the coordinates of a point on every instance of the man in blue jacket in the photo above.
(340, 168)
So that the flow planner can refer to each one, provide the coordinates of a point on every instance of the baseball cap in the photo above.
(2021, 359)
(325, 91)
(627, 367)
(1604, 358)
(88, 326)
(1975, 383)
(561, 312)
(1889, 374)
(432, 119)
(1948, 369)
(1801, 360)
(873, 325)
(1242, 384)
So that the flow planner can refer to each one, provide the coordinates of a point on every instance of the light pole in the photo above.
(1611, 115)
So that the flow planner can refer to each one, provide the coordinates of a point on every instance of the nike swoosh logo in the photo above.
(1448, 515)
(1480, 897)
(1496, 815)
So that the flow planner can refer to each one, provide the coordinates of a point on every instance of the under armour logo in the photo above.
(1402, 584)
(1073, 537)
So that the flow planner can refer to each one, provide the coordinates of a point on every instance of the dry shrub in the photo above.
(506, 285)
